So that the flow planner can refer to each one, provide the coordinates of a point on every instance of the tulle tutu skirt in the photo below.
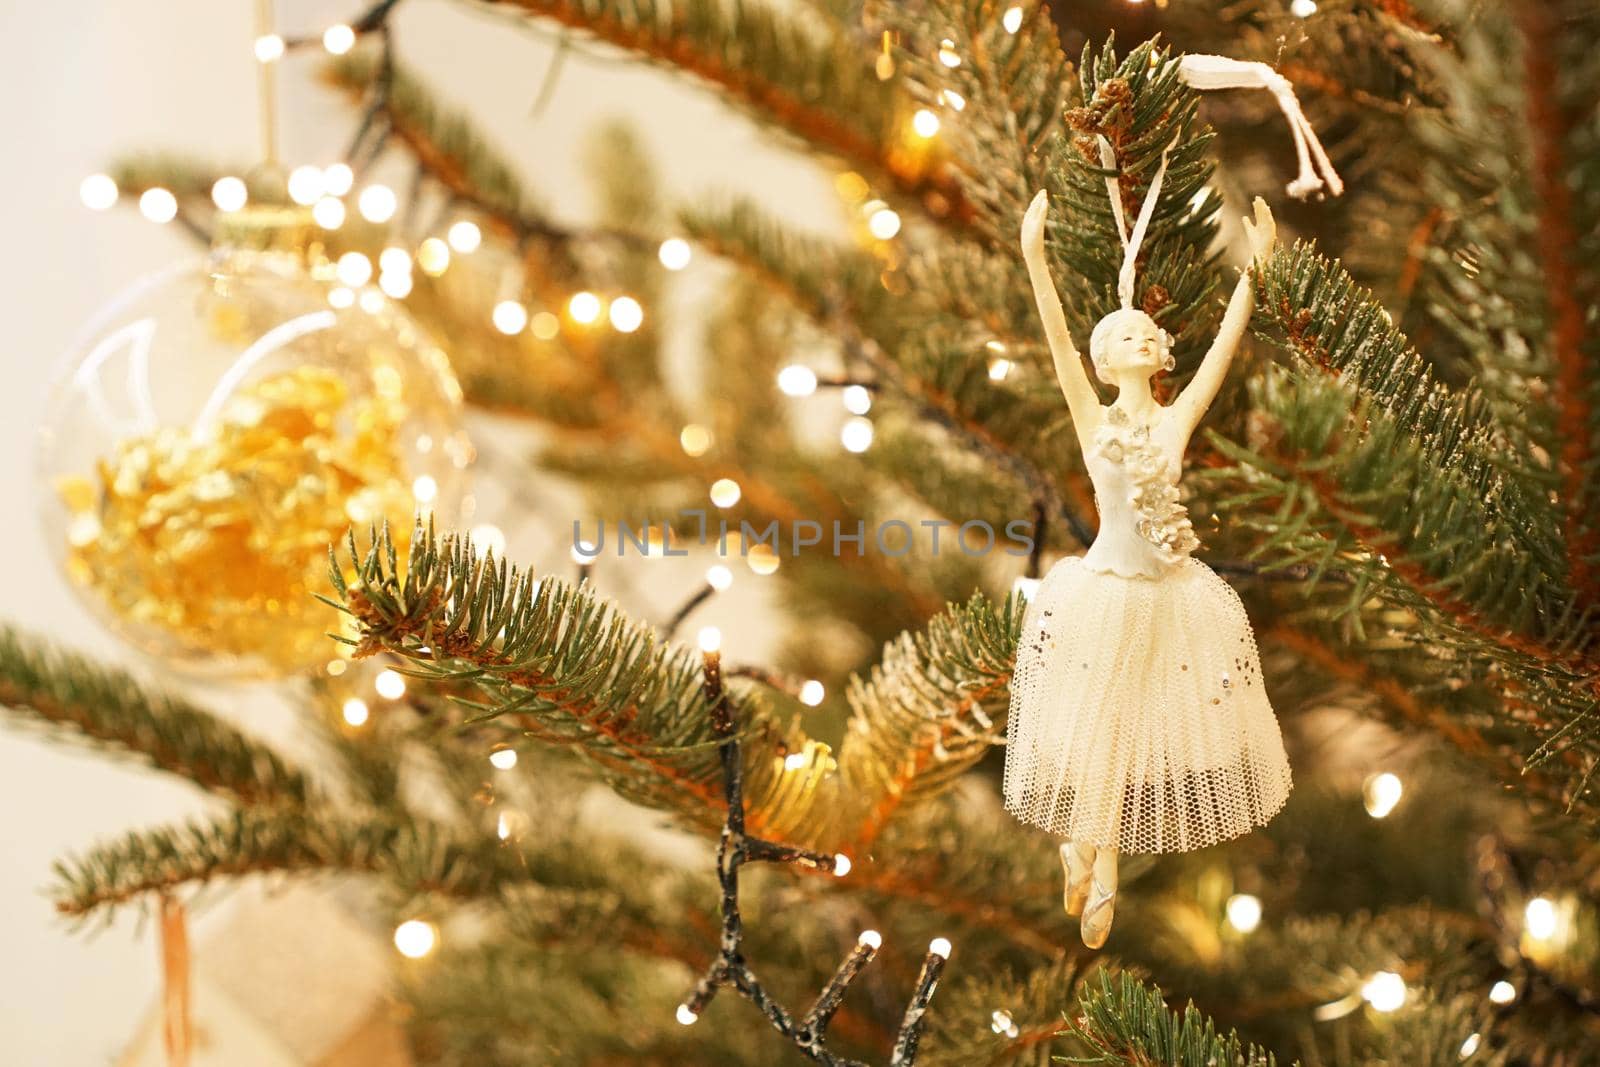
(1138, 716)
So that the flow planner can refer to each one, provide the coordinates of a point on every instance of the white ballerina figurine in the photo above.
(1139, 722)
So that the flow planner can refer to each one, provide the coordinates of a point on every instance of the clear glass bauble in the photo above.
(218, 427)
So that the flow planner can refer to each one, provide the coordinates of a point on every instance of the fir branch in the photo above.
(1123, 1021)
(808, 77)
(112, 711)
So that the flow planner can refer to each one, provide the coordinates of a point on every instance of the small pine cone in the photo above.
(1155, 298)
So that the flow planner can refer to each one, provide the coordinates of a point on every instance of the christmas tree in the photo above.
(1398, 478)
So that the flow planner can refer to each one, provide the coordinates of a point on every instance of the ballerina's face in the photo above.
(1133, 344)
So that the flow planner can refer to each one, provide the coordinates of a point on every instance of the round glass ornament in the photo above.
(219, 426)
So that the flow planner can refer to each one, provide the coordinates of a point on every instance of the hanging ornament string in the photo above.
(267, 91)
(177, 1027)
(1130, 241)
(1219, 72)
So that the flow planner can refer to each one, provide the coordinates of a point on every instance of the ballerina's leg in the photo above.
(1077, 862)
(1097, 912)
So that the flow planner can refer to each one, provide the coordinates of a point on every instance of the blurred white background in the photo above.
(88, 81)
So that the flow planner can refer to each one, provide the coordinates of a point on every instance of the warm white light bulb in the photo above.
(503, 759)
(395, 283)
(1303, 9)
(98, 192)
(229, 193)
(394, 259)
(686, 1015)
(307, 185)
(488, 538)
(584, 307)
(626, 314)
(725, 492)
(940, 946)
(812, 693)
(675, 253)
(925, 123)
(998, 369)
(794, 761)
(354, 269)
(415, 938)
(433, 256)
(1502, 992)
(1244, 912)
(341, 297)
(338, 39)
(1385, 991)
(719, 577)
(337, 179)
(841, 865)
(1011, 21)
(371, 301)
(269, 48)
(857, 399)
(952, 99)
(1381, 793)
(158, 205)
(871, 938)
(797, 379)
(377, 203)
(464, 236)
(390, 685)
(856, 435)
(1470, 1045)
(695, 440)
(328, 212)
(356, 711)
(710, 639)
(544, 326)
(948, 55)
(884, 223)
(425, 489)
(510, 317)
(1539, 919)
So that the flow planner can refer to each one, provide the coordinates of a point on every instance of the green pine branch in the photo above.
(110, 710)
(1124, 1021)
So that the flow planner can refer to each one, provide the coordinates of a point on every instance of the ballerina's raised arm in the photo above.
(1082, 400)
(1190, 406)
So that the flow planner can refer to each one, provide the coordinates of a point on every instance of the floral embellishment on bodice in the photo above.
(1159, 515)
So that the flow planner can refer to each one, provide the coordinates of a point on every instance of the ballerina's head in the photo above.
(1128, 345)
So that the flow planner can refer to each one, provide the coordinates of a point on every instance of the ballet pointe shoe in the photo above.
(1097, 911)
(1077, 861)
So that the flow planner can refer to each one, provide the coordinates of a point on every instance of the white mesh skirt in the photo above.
(1138, 716)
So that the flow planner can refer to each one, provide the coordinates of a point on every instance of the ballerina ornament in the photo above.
(1139, 722)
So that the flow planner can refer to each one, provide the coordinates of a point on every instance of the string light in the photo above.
(925, 123)
(686, 1015)
(487, 538)
(98, 192)
(337, 667)
(390, 685)
(626, 314)
(1303, 8)
(762, 559)
(306, 185)
(328, 212)
(794, 761)
(338, 179)
(719, 577)
(158, 205)
(371, 301)
(415, 939)
(857, 399)
(841, 865)
(1011, 21)
(464, 236)
(356, 711)
(1381, 793)
(1244, 912)
(503, 759)
(1000, 1022)
(1385, 991)
(952, 99)
(377, 203)
(341, 297)
(394, 259)
(883, 223)
(856, 434)
(812, 693)
(338, 39)
(940, 946)
(502, 827)
(870, 938)
(1502, 992)
(998, 369)
(354, 269)
(1539, 919)
(695, 440)
(269, 48)
(424, 489)
(674, 253)
(725, 492)
(584, 307)
(433, 256)
(947, 54)
(545, 326)
(395, 283)
(797, 380)
(710, 639)
(229, 193)
(1470, 1045)
(509, 317)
